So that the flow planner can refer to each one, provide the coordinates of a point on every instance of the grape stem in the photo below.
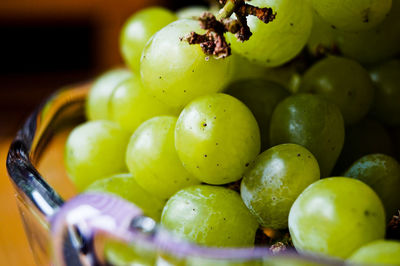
(213, 42)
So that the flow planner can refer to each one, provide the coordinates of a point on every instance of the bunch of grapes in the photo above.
(265, 122)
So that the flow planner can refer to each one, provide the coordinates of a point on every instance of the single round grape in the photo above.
(379, 252)
(352, 15)
(95, 150)
(216, 138)
(343, 82)
(377, 44)
(126, 187)
(138, 29)
(275, 180)
(386, 78)
(211, 216)
(176, 72)
(191, 12)
(261, 97)
(97, 103)
(335, 216)
(279, 41)
(152, 159)
(365, 137)
(131, 105)
(382, 173)
(312, 122)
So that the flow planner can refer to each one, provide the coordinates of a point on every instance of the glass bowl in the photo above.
(76, 231)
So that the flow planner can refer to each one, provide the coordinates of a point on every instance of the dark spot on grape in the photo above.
(163, 91)
(366, 213)
(333, 27)
(193, 70)
(197, 166)
(211, 228)
(205, 155)
(247, 164)
(187, 179)
(273, 198)
(224, 219)
(365, 15)
(216, 143)
(215, 117)
(217, 164)
(207, 58)
(184, 90)
(160, 77)
(298, 155)
(308, 156)
(194, 210)
(291, 24)
(209, 106)
(204, 124)
(229, 237)
(268, 60)
(224, 110)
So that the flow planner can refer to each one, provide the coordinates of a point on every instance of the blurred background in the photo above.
(44, 45)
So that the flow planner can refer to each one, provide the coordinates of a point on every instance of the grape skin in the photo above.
(275, 180)
(176, 72)
(208, 215)
(216, 138)
(335, 216)
(152, 159)
(380, 252)
(95, 150)
(279, 41)
(97, 103)
(138, 29)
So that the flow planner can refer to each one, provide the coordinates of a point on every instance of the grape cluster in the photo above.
(291, 139)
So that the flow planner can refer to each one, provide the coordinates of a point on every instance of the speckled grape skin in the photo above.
(380, 252)
(335, 216)
(216, 138)
(95, 150)
(312, 122)
(261, 96)
(343, 82)
(211, 216)
(275, 180)
(382, 173)
(152, 159)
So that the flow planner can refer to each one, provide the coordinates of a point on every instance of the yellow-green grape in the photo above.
(293, 260)
(366, 137)
(152, 159)
(335, 216)
(275, 180)
(123, 254)
(322, 38)
(211, 216)
(126, 187)
(352, 15)
(97, 103)
(138, 29)
(343, 82)
(261, 96)
(382, 173)
(312, 122)
(191, 12)
(377, 44)
(131, 105)
(379, 252)
(197, 261)
(279, 41)
(176, 72)
(386, 78)
(95, 150)
(216, 138)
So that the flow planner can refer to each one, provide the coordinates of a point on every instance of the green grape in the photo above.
(366, 137)
(287, 76)
(382, 173)
(261, 97)
(387, 96)
(312, 122)
(122, 254)
(196, 261)
(336, 216)
(379, 252)
(211, 216)
(152, 159)
(287, 260)
(125, 186)
(191, 12)
(374, 45)
(131, 105)
(97, 104)
(322, 37)
(216, 138)
(343, 82)
(352, 15)
(138, 29)
(279, 41)
(275, 180)
(176, 72)
(95, 150)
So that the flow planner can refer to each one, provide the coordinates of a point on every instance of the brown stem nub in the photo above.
(393, 228)
(265, 14)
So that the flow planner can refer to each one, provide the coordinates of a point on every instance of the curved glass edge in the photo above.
(79, 241)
